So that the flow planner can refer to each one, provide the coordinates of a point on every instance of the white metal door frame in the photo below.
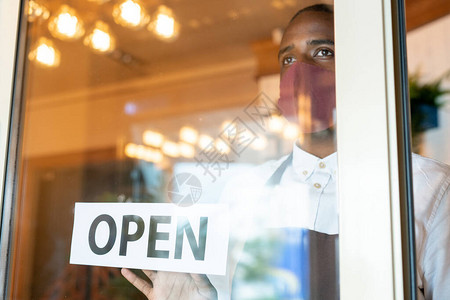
(9, 24)
(371, 152)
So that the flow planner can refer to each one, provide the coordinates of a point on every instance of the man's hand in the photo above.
(172, 286)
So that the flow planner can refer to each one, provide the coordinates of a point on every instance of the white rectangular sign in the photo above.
(151, 236)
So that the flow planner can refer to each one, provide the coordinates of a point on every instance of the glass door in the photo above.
(274, 127)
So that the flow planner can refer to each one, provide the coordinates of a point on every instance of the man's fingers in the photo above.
(150, 274)
(138, 282)
(201, 280)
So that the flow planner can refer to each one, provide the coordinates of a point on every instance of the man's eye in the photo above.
(324, 53)
(289, 60)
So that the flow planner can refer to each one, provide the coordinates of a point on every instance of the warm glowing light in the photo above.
(143, 153)
(130, 13)
(221, 146)
(260, 143)
(171, 149)
(152, 155)
(290, 132)
(188, 135)
(131, 150)
(45, 53)
(204, 141)
(66, 25)
(100, 38)
(152, 138)
(186, 150)
(140, 151)
(36, 11)
(276, 124)
(163, 24)
(225, 124)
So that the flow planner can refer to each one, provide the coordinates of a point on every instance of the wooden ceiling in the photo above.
(213, 32)
(421, 12)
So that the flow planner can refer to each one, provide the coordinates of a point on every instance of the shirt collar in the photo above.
(305, 164)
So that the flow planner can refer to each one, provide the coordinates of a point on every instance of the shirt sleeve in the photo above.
(436, 258)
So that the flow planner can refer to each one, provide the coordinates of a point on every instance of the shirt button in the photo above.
(322, 165)
(305, 172)
(317, 185)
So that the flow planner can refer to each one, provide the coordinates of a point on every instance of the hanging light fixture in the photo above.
(221, 146)
(131, 150)
(130, 13)
(186, 150)
(45, 54)
(189, 135)
(152, 155)
(66, 24)
(290, 131)
(100, 38)
(204, 141)
(260, 143)
(163, 24)
(171, 149)
(276, 124)
(36, 11)
(153, 138)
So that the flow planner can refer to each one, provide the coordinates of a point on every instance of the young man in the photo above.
(299, 191)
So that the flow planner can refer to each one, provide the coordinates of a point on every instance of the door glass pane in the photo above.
(180, 104)
(429, 79)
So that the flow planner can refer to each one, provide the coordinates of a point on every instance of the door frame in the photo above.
(379, 259)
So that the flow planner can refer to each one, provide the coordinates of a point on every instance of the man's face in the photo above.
(308, 39)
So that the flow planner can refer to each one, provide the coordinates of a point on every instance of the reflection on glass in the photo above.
(152, 138)
(45, 53)
(36, 11)
(195, 119)
(188, 134)
(66, 24)
(100, 38)
(164, 24)
(130, 13)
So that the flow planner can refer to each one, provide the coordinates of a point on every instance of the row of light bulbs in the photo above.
(66, 25)
(156, 146)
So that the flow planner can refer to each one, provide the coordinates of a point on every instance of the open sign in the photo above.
(151, 236)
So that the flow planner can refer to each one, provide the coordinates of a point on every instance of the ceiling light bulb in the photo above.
(221, 146)
(140, 151)
(163, 24)
(131, 150)
(152, 138)
(152, 155)
(45, 53)
(290, 132)
(204, 141)
(189, 135)
(130, 13)
(171, 149)
(260, 143)
(66, 25)
(36, 11)
(186, 150)
(225, 124)
(276, 124)
(100, 38)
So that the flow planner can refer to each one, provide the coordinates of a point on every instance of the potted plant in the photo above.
(425, 100)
